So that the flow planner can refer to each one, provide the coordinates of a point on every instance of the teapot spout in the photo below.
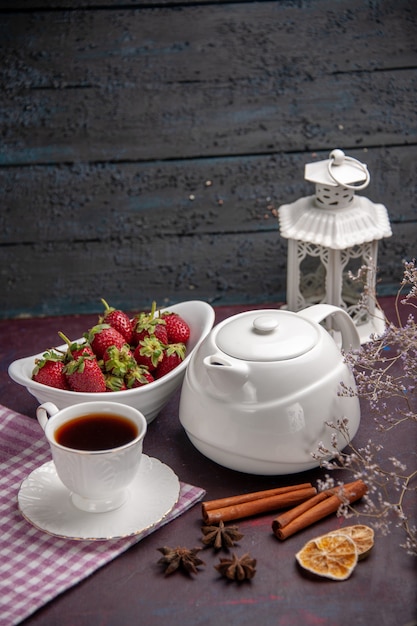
(226, 375)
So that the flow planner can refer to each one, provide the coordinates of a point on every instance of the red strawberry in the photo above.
(173, 356)
(102, 336)
(177, 328)
(149, 352)
(118, 361)
(84, 374)
(117, 319)
(114, 383)
(137, 377)
(76, 349)
(159, 331)
(146, 324)
(49, 370)
(82, 350)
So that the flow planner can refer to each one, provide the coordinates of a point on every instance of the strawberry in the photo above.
(177, 328)
(81, 349)
(49, 370)
(137, 377)
(158, 330)
(84, 374)
(146, 324)
(173, 356)
(114, 383)
(102, 336)
(118, 361)
(76, 349)
(117, 319)
(149, 352)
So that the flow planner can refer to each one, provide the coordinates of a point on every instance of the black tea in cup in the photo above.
(96, 431)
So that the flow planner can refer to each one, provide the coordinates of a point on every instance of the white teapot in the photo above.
(261, 386)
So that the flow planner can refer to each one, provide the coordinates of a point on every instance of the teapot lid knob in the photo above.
(265, 323)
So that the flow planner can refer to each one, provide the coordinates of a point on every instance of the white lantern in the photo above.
(331, 236)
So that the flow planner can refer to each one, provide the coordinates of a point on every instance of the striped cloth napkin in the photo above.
(26, 551)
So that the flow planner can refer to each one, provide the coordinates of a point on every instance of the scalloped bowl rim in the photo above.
(21, 369)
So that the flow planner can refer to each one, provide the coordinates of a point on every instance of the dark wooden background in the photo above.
(145, 146)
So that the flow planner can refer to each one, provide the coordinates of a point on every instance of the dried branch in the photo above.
(385, 367)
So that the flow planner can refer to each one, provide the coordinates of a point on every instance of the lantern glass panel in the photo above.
(312, 279)
(352, 288)
(358, 280)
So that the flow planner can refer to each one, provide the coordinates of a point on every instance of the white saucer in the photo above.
(46, 503)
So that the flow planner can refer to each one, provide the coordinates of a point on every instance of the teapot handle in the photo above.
(342, 322)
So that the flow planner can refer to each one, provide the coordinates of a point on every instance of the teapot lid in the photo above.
(267, 335)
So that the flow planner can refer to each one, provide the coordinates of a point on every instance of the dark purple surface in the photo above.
(133, 590)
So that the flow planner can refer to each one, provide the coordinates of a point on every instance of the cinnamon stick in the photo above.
(288, 516)
(249, 497)
(316, 508)
(256, 506)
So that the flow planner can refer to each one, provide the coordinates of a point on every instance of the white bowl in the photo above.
(149, 399)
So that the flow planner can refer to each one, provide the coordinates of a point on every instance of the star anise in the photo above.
(180, 558)
(237, 568)
(220, 536)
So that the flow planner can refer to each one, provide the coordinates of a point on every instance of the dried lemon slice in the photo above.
(362, 535)
(333, 556)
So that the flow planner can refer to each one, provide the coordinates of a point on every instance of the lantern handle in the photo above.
(338, 157)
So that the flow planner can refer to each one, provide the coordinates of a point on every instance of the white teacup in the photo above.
(98, 479)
